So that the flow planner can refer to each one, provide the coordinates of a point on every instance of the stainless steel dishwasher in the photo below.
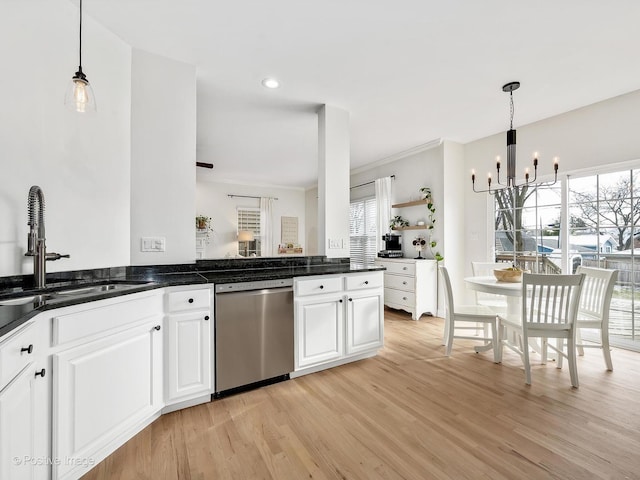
(254, 333)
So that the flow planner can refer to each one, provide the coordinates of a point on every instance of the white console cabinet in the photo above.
(338, 318)
(410, 285)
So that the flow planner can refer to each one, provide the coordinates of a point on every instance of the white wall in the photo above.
(422, 169)
(163, 156)
(593, 137)
(311, 220)
(80, 161)
(333, 182)
(213, 201)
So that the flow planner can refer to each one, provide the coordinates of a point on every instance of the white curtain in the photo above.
(266, 226)
(383, 208)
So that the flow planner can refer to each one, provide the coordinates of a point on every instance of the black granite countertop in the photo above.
(127, 280)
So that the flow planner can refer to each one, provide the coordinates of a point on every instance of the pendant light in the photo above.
(79, 96)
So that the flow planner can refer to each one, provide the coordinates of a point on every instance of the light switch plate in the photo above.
(153, 244)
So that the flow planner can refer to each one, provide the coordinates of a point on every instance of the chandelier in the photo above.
(511, 157)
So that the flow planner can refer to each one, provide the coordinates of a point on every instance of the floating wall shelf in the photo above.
(412, 227)
(410, 204)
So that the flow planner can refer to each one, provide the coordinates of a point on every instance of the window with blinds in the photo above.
(362, 232)
(249, 220)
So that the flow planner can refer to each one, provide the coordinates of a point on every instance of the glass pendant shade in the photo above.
(79, 96)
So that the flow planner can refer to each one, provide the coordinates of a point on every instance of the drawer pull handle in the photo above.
(190, 300)
(366, 282)
(321, 287)
(206, 317)
(157, 327)
(41, 373)
(28, 349)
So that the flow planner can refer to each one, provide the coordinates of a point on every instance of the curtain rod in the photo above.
(249, 196)
(368, 183)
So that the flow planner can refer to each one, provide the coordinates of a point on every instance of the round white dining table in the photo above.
(511, 290)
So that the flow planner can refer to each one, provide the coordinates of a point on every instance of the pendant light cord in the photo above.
(80, 42)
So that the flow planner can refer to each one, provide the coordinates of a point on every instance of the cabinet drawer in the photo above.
(399, 297)
(12, 358)
(400, 268)
(189, 300)
(92, 321)
(358, 281)
(315, 286)
(399, 282)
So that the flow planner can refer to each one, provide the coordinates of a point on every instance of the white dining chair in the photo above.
(465, 314)
(593, 311)
(498, 303)
(549, 310)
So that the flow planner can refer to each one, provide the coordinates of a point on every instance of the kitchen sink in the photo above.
(68, 292)
(95, 289)
(26, 300)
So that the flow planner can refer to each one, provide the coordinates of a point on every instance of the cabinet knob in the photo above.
(340, 300)
(404, 283)
(321, 287)
(206, 317)
(190, 300)
(351, 299)
(157, 327)
(28, 349)
(366, 282)
(41, 373)
(404, 268)
(404, 298)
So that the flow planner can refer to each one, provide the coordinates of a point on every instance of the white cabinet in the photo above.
(364, 329)
(410, 285)
(24, 402)
(320, 329)
(107, 382)
(338, 318)
(189, 341)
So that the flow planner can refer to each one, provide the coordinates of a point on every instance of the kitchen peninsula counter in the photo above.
(142, 278)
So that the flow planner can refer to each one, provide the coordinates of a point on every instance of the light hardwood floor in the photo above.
(409, 413)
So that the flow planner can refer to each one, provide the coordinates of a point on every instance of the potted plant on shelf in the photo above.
(203, 223)
(398, 222)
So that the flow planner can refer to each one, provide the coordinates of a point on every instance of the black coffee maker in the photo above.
(392, 246)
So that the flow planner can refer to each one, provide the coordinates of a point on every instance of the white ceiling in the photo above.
(408, 72)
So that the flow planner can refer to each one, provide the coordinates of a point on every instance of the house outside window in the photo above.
(249, 221)
(362, 232)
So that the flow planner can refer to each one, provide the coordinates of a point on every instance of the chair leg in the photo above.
(579, 343)
(527, 363)
(450, 328)
(606, 349)
(445, 336)
(543, 350)
(560, 347)
(571, 358)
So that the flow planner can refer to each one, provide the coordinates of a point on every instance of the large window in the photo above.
(601, 229)
(604, 218)
(249, 221)
(362, 232)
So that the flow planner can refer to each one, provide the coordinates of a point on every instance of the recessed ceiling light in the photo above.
(270, 83)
